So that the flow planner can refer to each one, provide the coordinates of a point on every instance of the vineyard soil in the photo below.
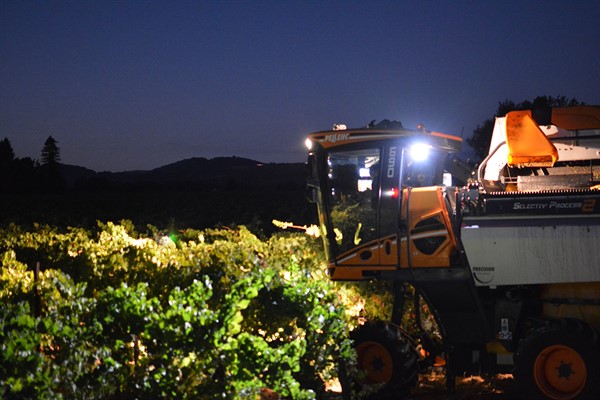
(493, 387)
(433, 387)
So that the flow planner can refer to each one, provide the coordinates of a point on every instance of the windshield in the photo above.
(353, 192)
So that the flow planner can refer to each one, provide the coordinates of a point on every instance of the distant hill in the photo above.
(196, 173)
(195, 193)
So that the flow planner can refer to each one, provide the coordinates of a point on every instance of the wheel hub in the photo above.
(560, 372)
(565, 370)
(376, 361)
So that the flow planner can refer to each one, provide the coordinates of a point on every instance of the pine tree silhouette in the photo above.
(50, 152)
(51, 175)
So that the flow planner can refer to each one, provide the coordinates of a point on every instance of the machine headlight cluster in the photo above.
(420, 151)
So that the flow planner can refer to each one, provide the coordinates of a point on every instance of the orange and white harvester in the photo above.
(508, 259)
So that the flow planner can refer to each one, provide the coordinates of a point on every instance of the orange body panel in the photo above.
(574, 118)
(555, 307)
(527, 144)
(354, 273)
(432, 240)
(447, 136)
(431, 237)
(329, 139)
(336, 138)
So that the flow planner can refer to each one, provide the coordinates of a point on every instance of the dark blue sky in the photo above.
(128, 85)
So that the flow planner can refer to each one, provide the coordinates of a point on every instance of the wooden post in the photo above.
(37, 305)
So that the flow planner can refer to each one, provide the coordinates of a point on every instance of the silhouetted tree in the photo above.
(7, 155)
(51, 175)
(7, 160)
(17, 175)
(480, 141)
(50, 152)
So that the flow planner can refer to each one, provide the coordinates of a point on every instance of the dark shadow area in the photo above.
(196, 193)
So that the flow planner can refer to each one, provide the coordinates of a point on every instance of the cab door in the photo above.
(363, 205)
(389, 205)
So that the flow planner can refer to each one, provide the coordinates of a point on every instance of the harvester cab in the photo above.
(360, 180)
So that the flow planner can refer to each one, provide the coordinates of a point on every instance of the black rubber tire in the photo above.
(388, 357)
(568, 348)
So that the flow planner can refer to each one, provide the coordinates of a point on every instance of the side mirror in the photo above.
(311, 193)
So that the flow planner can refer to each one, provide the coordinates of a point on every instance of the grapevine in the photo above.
(206, 314)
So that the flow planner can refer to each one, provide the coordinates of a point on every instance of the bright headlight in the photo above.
(419, 151)
(308, 143)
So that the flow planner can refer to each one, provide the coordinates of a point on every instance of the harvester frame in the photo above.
(508, 260)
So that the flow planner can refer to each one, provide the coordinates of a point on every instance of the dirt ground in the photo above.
(492, 387)
(433, 387)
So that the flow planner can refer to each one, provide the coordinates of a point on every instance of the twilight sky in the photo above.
(124, 85)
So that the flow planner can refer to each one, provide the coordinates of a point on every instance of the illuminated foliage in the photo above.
(201, 314)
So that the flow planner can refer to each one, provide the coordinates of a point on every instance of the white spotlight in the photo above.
(419, 151)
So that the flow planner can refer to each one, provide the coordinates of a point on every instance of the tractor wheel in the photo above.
(560, 361)
(388, 359)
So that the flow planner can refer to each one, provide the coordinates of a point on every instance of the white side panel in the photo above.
(498, 160)
(513, 252)
(569, 147)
